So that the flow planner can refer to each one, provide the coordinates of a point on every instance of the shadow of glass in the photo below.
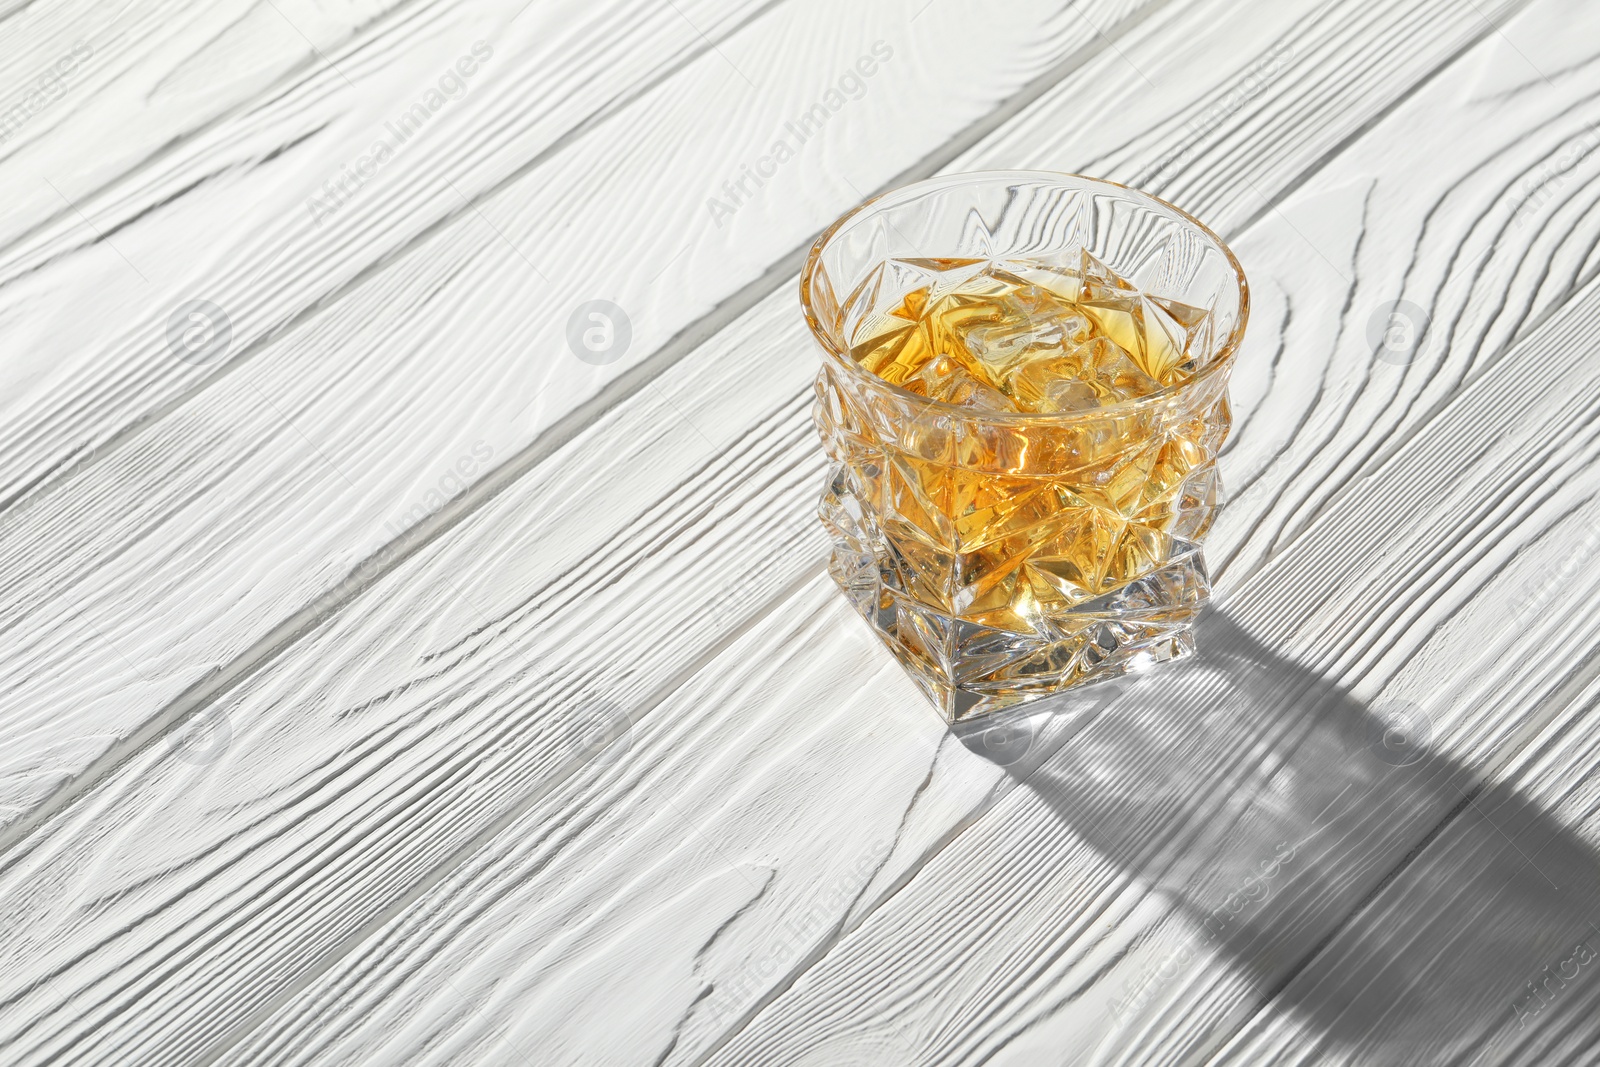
(1391, 906)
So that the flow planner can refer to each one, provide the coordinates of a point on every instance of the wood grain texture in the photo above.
(528, 612)
(1441, 579)
(1095, 853)
(208, 162)
(868, 1046)
(1181, 798)
(204, 904)
(1100, 845)
(164, 492)
(142, 543)
(169, 491)
(179, 562)
(1479, 950)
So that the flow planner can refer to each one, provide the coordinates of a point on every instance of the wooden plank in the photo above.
(1195, 845)
(715, 780)
(118, 528)
(1021, 938)
(471, 999)
(176, 564)
(438, 754)
(136, 80)
(1480, 949)
(1475, 589)
(214, 134)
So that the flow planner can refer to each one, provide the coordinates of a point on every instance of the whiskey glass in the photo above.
(1006, 554)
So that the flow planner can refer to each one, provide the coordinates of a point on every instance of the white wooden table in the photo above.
(310, 625)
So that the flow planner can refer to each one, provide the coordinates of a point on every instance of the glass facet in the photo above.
(1023, 391)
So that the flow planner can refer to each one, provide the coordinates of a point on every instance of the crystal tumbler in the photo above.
(1023, 391)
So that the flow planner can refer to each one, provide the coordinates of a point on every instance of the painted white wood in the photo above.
(429, 352)
(1164, 808)
(214, 126)
(866, 997)
(400, 799)
(1480, 948)
(555, 944)
(1483, 620)
(398, 769)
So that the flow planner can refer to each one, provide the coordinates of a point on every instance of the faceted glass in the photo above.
(1023, 391)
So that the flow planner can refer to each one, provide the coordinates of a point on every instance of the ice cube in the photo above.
(1071, 394)
(942, 378)
(1152, 335)
(1113, 371)
(1031, 322)
(1091, 374)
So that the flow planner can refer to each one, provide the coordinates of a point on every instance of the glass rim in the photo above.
(842, 359)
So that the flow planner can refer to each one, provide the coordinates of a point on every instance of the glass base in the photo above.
(968, 669)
